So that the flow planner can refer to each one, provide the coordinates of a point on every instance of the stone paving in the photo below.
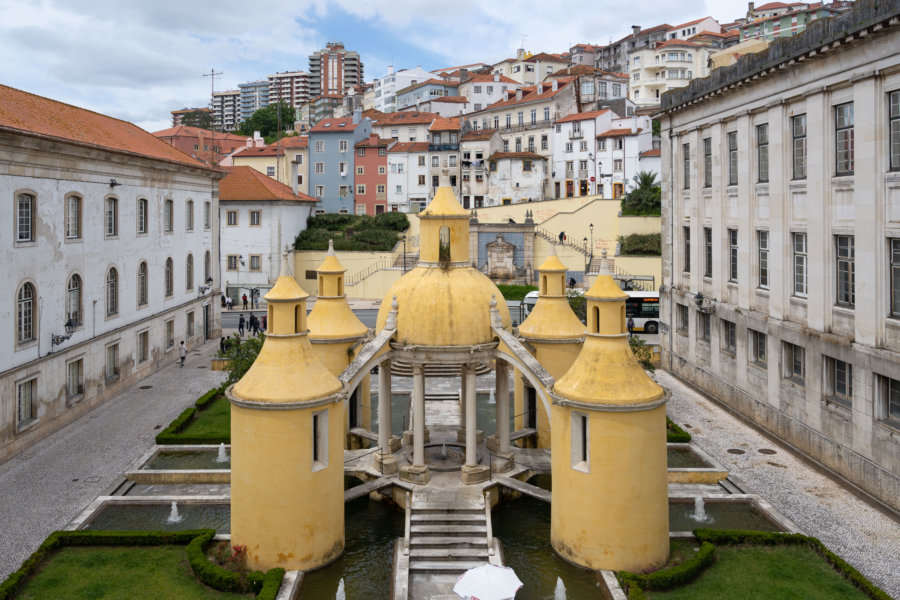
(823, 508)
(49, 484)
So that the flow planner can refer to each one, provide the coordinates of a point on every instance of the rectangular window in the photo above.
(798, 149)
(320, 191)
(342, 169)
(421, 161)
(887, 400)
(379, 189)
(800, 262)
(526, 165)
(894, 129)
(732, 255)
(270, 171)
(844, 254)
(580, 443)
(190, 324)
(544, 142)
(362, 170)
(320, 440)
(26, 401)
(521, 116)
(320, 146)
(838, 381)
(895, 276)
(707, 162)
(143, 346)
(319, 168)
(421, 180)
(729, 337)
(112, 217)
(232, 262)
(255, 262)
(360, 189)
(794, 363)
(682, 317)
(568, 146)
(708, 255)
(73, 217)
(732, 158)
(169, 215)
(704, 322)
(686, 168)
(142, 218)
(74, 379)
(843, 139)
(112, 361)
(206, 215)
(255, 218)
(762, 243)
(618, 165)
(342, 145)
(231, 218)
(170, 334)
(762, 152)
(25, 210)
(757, 354)
(686, 234)
(189, 215)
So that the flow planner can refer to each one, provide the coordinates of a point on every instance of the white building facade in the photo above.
(781, 213)
(408, 173)
(384, 89)
(111, 261)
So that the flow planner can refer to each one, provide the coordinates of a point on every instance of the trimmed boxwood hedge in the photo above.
(265, 586)
(168, 435)
(675, 434)
(664, 579)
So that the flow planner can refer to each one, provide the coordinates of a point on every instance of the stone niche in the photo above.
(503, 251)
(501, 264)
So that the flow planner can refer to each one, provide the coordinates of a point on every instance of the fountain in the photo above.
(492, 399)
(340, 591)
(699, 514)
(222, 457)
(444, 451)
(560, 592)
(174, 517)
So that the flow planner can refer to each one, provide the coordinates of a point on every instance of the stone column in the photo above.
(418, 416)
(502, 399)
(384, 458)
(470, 422)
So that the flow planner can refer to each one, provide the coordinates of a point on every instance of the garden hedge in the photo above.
(169, 434)
(675, 434)
(671, 577)
(265, 586)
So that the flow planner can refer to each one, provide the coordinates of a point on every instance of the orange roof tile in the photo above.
(585, 116)
(401, 118)
(450, 99)
(28, 114)
(544, 56)
(618, 132)
(502, 155)
(257, 151)
(246, 183)
(478, 135)
(409, 147)
(334, 124)
(676, 42)
(373, 141)
(529, 94)
(489, 78)
(653, 152)
(445, 124)
(694, 22)
(187, 131)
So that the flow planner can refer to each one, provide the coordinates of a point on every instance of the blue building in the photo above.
(254, 95)
(331, 161)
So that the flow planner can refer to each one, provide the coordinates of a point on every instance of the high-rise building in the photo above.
(178, 115)
(226, 109)
(334, 69)
(291, 86)
(254, 95)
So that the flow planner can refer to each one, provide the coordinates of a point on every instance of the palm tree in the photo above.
(645, 180)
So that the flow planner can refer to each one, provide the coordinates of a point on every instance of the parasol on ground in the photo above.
(488, 582)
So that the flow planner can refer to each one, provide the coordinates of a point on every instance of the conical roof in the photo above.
(552, 264)
(444, 204)
(331, 264)
(331, 317)
(286, 287)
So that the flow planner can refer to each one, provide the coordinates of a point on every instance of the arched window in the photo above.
(73, 217)
(595, 325)
(444, 244)
(206, 261)
(189, 215)
(142, 215)
(189, 273)
(25, 314)
(206, 213)
(142, 284)
(112, 292)
(73, 300)
(170, 286)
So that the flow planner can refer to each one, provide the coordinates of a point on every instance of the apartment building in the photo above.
(254, 96)
(663, 66)
(477, 146)
(482, 90)
(781, 216)
(385, 88)
(202, 144)
(332, 144)
(370, 175)
(226, 108)
(408, 183)
(290, 87)
(333, 70)
(529, 69)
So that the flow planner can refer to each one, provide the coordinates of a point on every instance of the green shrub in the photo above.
(645, 199)
(641, 244)
(207, 398)
(670, 577)
(675, 434)
(515, 292)
(270, 584)
(395, 221)
(358, 233)
(578, 303)
(641, 352)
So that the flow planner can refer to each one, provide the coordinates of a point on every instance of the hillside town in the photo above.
(719, 197)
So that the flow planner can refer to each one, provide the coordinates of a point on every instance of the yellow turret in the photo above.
(287, 445)
(555, 334)
(336, 335)
(610, 504)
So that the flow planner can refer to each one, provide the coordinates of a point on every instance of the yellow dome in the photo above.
(443, 307)
(332, 318)
(552, 319)
(444, 204)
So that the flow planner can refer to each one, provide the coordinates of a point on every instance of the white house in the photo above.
(515, 177)
(476, 146)
(483, 89)
(111, 254)
(408, 172)
(384, 89)
(258, 218)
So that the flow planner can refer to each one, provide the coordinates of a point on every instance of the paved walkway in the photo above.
(819, 505)
(46, 486)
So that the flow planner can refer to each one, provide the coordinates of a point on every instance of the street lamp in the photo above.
(591, 226)
(56, 340)
(404, 253)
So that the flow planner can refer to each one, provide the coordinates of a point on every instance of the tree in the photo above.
(265, 121)
(198, 118)
(241, 354)
(644, 200)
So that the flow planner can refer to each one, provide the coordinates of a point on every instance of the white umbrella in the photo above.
(488, 582)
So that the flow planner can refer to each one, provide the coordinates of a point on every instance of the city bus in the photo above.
(644, 308)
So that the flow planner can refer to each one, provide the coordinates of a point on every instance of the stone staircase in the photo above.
(447, 540)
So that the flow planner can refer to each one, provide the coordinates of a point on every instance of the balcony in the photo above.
(442, 147)
(527, 126)
(570, 174)
(582, 174)
(576, 135)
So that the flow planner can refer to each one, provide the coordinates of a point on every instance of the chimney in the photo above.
(496, 76)
(635, 29)
(294, 176)
(750, 7)
(463, 75)
(520, 54)
(357, 115)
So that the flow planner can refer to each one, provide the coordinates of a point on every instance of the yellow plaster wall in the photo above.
(284, 512)
(617, 515)
(629, 225)
(556, 358)
(641, 265)
(375, 286)
(335, 357)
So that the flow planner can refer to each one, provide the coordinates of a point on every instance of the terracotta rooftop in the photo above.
(450, 99)
(694, 22)
(246, 183)
(28, 114)
(489, 78)
(544, 56)
(416, 86)
(258, 151)
(400, 118)
(585, 116)
(445, 124)
(187, 131)
(774, 5)
(334, 125)
(373, 141)
(409, 147)
(457, 68)
(653, 152)
(478, 135)
(675, 42)
(528, 155)
(618, 132)
(529, 94)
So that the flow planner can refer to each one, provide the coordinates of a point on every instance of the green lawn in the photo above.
(215, 420)
(120, 573)
(765, 573)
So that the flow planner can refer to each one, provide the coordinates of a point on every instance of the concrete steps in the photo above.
(447, 539)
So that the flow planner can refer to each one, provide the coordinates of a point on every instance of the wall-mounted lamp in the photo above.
(113, 183)
(56, 340)
(241, 258)
(704, 304)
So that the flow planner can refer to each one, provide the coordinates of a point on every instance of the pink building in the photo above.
(371, 175)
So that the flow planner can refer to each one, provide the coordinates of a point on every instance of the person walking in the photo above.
(562, 236)
(244, 298)
(241, 322)
(222, 346)
(265, 322)
(182, 352)
(254, 325)
(228, 303)
(630, 325)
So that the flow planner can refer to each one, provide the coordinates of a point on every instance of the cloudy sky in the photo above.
(140, 59)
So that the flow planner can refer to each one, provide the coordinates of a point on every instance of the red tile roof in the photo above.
(450, 99)
(478, 135)
(676, 42)
(401, 118)
(295, 141)
(585, 116)
(773, 5)
(409, 147)
(334, 124)
(257, 151)
(653, 152)
(373, 141)
(544, 56)
(445, 124)
(246, 183)
(618, 132)
(694, 22)
(193, 132)
(28, 114)
(529, 94)
(489, 78)
(528, 155)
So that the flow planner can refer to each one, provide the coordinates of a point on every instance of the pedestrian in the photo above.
(222, 346)
(182, 352)
(265, 322)
(228, 302)
(255, 298)
(241, 322)
(630, 325)
(254, 325)
(224, 302)
(562, 236)
(244, 298)
(571, 282)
